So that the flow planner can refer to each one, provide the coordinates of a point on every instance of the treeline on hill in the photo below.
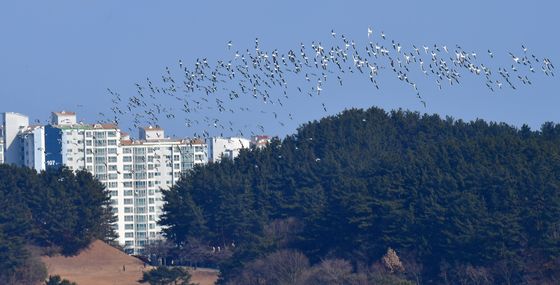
(50, 212)
(459, 202)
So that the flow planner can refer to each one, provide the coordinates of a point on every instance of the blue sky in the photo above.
(63, 55)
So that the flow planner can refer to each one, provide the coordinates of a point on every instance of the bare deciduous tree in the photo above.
(334, 272)
(392, 262)
(284, 267)
(283, 231)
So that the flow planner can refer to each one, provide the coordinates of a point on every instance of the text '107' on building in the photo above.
(134, 171)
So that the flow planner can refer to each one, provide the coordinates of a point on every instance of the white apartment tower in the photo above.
(151, 164)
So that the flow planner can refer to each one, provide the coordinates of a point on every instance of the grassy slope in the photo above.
(102, 264)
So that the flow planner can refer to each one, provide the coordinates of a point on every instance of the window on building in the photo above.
(100, 135)
(129, 235)
(128, 201)
(100, 160)
(128, 210)
(129, 226)
(129, 218)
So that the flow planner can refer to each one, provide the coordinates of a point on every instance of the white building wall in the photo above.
(63, 118)
(1, 144)
(226, 147)
(1, 150)
(39, 149)
(13, 149)
(32, 140)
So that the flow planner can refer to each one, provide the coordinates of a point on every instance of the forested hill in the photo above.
(456, 200)
(57, 211)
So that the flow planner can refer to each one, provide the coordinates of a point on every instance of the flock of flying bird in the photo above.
(271, 77)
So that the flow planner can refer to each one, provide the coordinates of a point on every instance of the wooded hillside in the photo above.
(49, 212)
(455, 199)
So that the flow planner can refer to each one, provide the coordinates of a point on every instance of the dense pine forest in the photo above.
(368, 194)
(51, 212)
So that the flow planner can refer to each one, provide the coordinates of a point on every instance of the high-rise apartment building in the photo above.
(149, 165)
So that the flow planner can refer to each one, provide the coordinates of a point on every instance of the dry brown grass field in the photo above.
(102, 264)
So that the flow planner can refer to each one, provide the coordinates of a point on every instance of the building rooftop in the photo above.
(87, 126)
(65, 113)
(165, 140)
(151, 128)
